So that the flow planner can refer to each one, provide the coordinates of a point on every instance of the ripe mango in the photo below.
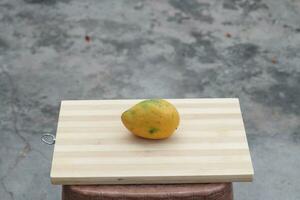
(151, 119)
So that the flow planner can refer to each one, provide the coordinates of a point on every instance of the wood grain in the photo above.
(93, 147)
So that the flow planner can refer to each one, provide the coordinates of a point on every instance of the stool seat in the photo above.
(214, 191)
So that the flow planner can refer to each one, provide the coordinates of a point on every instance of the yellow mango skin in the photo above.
(151, 119)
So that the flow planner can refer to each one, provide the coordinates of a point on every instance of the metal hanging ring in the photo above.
(48, 139)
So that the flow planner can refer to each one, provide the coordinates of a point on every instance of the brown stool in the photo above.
(217, 191)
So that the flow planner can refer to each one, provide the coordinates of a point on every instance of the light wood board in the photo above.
(93, 147)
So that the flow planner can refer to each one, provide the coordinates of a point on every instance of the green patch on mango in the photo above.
(153, 130)
(146, 103)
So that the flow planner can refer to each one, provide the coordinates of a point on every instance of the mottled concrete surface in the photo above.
(174, 49)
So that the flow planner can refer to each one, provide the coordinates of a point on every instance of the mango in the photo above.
(151, 119)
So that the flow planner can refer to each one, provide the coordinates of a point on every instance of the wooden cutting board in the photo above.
(93, 147)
